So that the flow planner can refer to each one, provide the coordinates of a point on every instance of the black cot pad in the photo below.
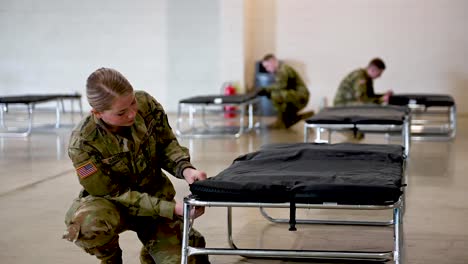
(35, 98)
(25, 99)
(363, 114)
(220, 99)
(310, 173)
(422, 99)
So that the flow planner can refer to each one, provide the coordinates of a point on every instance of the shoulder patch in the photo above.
(86, 170)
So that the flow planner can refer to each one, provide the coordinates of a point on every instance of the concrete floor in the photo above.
(38, 185)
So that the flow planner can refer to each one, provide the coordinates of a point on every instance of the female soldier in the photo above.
(118, 152)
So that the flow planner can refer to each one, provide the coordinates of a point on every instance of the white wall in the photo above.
(179, 48)
(423, 42)
(193, 39)
(232, 42)
(53, 45)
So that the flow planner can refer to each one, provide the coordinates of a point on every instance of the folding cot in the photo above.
(363, 118)
(212, 112)
(307, 176)
(433, 116)
(31, 101)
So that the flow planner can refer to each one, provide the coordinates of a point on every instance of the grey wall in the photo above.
(193, 49)
(53, 45)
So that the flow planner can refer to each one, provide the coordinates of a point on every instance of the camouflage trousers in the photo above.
(95, 223)
(287, 104)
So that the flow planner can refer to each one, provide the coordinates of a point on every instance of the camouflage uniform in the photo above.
(355, 89)
(125, 188)
(289, 94)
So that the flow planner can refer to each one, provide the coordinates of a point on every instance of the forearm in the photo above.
(142, 204)
(177, 159)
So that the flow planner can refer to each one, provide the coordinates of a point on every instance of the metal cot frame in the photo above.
(426, 129)
(397, 254)
(403, 129)
(397, 223)
(209, 132)
(30, 101)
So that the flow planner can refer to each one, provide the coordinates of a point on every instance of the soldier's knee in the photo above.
(94, 222)
(110, 253)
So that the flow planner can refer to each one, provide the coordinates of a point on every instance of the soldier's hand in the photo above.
(263, 92)
(193, 175)
(387, 95)
(197, 211)
(194, 213)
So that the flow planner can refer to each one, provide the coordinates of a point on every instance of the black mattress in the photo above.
(310, 173)
(363, 114)
(35, 98)
(219, 99)
(427, 100)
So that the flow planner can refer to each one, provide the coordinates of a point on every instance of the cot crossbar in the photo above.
(309, 254)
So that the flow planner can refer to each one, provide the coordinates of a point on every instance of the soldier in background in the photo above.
(119, 152)
(357, 87)
(288, 93)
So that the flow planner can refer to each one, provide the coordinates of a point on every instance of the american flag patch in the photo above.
(86, 170)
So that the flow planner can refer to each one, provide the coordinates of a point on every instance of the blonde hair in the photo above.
(103, 86)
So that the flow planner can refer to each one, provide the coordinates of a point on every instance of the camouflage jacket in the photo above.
(289, 86)
(356, 88)
(127, 169)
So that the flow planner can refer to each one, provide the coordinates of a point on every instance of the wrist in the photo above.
(187, 172)
(182, 166)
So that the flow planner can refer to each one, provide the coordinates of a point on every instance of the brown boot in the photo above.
(296, 118)
(145, 257)
(307, 115)
(352, 137)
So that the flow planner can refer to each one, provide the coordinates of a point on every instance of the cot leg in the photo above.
(191, 111)
(398, 236)
(2, 115)
(241, 121)
(251, 119)
(306, 133)
(30, 119)
(62, 103)
(453, 121)
(185, 233)
(229, 228)
(318, 131)
(259, 112)
(406, 135)
(57, 114)
(203, 114)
